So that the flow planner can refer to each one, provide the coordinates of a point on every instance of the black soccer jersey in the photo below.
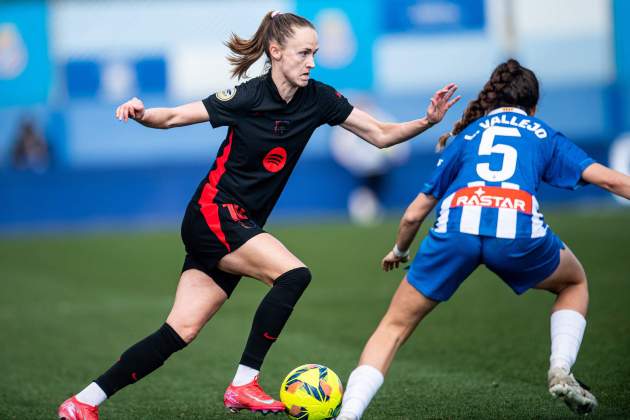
(265, 139)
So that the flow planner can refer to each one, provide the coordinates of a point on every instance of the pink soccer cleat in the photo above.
(250, 397)
(73, 409)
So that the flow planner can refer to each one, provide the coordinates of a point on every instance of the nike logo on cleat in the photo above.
(269, 401)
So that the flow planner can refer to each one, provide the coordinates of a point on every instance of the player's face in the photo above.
(298, 56)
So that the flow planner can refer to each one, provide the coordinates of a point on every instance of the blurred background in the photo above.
(90, 207)
(66, 163)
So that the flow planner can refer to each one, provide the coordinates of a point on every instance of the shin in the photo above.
(568, 321)
(407, 309)
(273, 313)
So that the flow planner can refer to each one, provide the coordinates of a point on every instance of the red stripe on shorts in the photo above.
(209, 209)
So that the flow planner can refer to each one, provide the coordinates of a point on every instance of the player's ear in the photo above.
(275, 51)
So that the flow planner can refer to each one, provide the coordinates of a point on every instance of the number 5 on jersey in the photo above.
(486, 148)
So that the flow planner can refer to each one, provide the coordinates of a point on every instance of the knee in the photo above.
(188, 331)
(189, 335)
(296, 279)
(578, 276)
(576, 280)
(303, 277)
(570, 278)
(289, 287)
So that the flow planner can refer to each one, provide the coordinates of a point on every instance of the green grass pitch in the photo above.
(69, 305)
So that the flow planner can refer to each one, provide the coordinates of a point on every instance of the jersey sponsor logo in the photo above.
(496, 197)
(226, 94)
(274, 160)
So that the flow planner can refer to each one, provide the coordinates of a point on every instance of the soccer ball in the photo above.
(311, 392)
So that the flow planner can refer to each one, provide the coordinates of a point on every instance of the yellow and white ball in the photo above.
(311, 392)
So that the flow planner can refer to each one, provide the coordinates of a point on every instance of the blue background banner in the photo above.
(621, 11)
(66, 65)
(432, 15)
(25, 66)
(347, 30)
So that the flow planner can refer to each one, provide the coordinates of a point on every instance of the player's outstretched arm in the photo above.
(609, 179)
(407, 230)
(192, 113)
(383, 134)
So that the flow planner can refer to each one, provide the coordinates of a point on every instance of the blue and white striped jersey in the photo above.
(488, 175)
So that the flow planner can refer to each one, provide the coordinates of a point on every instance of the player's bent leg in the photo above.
(272, 314)
(568, 321)
(407, 308)
(569, 283)
(196, 300)
(265, 258)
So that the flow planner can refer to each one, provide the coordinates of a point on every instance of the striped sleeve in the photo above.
(446, 169)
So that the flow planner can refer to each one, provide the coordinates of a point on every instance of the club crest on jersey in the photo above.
(280, 127)
(497, 197)
(274, 160)
(226, 94)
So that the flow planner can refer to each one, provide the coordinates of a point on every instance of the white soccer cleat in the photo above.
(576, 395)
(344, 417)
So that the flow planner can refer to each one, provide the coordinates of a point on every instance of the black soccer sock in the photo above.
(272, 313)
(141, 359)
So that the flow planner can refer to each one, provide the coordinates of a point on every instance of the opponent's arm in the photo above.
(608, 179)
(192, 113)
(383, 134)
(407, 230)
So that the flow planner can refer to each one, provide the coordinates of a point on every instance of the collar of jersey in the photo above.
(276, 94)
(507, 109)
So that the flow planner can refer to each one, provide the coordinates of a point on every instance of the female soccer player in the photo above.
(270, 119)
(484, 187)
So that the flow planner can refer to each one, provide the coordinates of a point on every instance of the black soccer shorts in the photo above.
(211, 232)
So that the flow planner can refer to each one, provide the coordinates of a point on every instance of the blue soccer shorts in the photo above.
(445, 260)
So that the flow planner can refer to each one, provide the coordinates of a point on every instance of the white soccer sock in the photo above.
(567, 330)
(363, 383)
(244, 375)
(92, 395)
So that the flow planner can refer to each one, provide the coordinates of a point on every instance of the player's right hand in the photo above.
(391, 261)
(133, 108)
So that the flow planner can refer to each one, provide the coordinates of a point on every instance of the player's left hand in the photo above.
(391, 261)
(441, 102)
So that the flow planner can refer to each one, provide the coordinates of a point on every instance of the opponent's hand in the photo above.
(391, 261)
(133, 108)
(441, 102)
